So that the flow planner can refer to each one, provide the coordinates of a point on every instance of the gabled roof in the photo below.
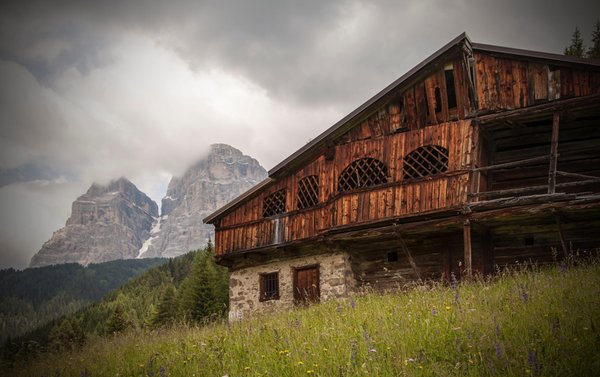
(318, 141)
(340, 127)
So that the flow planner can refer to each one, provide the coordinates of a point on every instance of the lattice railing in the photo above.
(274, 203)
(308, 191)
(425, 161)
(364, 172)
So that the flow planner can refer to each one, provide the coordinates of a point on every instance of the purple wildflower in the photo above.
(498, 350)
(533, 362)
(339, 309)
(352, 303)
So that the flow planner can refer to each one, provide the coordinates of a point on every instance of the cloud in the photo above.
(92, 91)
(30, 213)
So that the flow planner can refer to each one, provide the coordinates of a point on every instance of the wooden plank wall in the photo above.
(414, 107)
(245, 228)
(578, 146)
(507, 84)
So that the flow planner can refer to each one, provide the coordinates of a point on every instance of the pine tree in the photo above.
(576, 48)
(67, 335)
(117, 321)
(202, 294)
(166, 311)
(594, 50)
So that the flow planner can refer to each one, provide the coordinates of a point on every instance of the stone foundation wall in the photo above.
(335, 280)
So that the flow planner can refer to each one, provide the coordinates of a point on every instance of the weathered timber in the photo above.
(553, 153)
(467, 248)
(406, 251)
(576, 175)
(546, 108)
(513, 164)
(561, 235)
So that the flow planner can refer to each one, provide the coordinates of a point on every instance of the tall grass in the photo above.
(524, 322)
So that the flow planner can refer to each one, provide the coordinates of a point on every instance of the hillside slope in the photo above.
(34, 296)
(522, 323)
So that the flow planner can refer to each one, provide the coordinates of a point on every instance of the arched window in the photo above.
(274, 203)
(424, 161)
(364, 172)
(308, 191)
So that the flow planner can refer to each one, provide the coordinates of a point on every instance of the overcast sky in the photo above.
(94, 90)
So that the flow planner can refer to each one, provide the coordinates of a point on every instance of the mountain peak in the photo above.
(210, 183)
(107, 222)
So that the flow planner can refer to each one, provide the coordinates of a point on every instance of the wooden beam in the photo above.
(553, 154)
(514, 163)
(561, 235)
(408, 255)
(591, 100)
(575, 175)
(467, 248)
(535, 188)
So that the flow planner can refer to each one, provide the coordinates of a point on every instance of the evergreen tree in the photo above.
(201, 293)
(594, 50)
(117, 321)
(67, 335)
(167, 310)
(576, 48)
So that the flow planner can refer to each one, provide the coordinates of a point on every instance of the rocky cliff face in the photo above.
(107, 223)
(208, 185)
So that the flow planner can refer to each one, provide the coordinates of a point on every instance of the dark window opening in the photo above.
(269, 286)
(274, 203)
(308, 192)
(450, 90)
(392, 256)
(438, 100)
(425, 161)
(365, 172)
(528, 240)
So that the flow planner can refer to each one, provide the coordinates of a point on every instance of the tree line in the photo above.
(189, 289)
(577, 47)
(34, 296)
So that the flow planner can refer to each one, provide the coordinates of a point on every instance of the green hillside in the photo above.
(188, 289)
(34, 296)
(524, 322)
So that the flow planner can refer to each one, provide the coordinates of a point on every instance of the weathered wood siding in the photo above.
(245, 228)
(507, 84)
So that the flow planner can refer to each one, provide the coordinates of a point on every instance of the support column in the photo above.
(467, 248)
(553, 154)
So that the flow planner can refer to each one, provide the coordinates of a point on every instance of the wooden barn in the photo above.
(480, 156)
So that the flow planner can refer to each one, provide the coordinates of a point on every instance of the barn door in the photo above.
(306, 284)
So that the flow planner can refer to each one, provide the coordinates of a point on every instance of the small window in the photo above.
(365, 172)
(269, 286)
(308, 192)
(450, 90)
(392, 256)
(274, 203)
(528, 240)
(425, 161)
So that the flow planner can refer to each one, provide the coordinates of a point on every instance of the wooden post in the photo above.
(553, 154)
(561, 235)
(410, 258)
(467, 248)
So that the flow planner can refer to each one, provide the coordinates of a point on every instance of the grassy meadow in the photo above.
(529, 321)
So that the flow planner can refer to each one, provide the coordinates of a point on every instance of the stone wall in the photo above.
(335, 280)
